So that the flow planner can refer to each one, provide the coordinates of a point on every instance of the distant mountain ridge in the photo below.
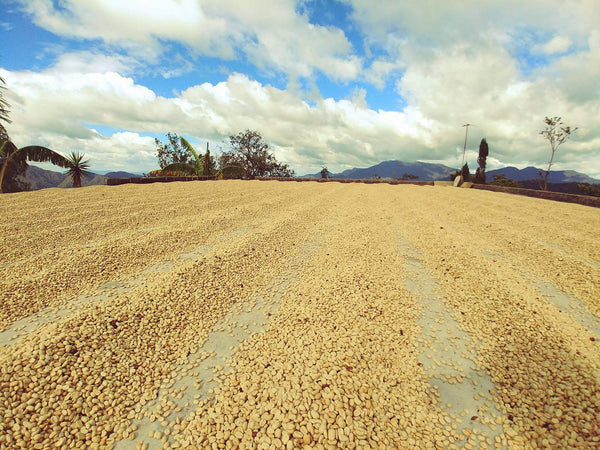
(38, 178)
(531, 173)
(432, 172)
(121, 174)
(395, 169)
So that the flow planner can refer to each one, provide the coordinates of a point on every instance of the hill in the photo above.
(121, 174)
(38, 178)
(395, 169)
(530, 173)
(432, 172)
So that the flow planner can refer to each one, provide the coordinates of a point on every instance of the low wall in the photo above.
(145, 180)
(346, 180)
(556, 196)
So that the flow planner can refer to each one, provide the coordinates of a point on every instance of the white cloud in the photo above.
(83, 62)
(558, 44)
(270, 34)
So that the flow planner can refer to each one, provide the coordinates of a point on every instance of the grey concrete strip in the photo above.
(567, 303)
(570, 304)
(194, 382)
(21, 328)
(562, 251)
(449, 358)
(108, 289)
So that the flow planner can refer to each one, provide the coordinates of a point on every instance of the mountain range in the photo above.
(38, 178)
(432, 172)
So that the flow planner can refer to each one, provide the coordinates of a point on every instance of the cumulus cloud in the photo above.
(558, 44)
(271, 35)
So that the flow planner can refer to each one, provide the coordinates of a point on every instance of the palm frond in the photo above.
(7, 148)
(43, 154)
(189, 148)
(3, 104)
(77, 166)
(181, 168)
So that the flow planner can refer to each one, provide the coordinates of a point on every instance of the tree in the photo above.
(325, 173)
(589, 189)
(182, 166)
(481, 161)
(409, 176)
(200, 166)
(209, 163)
(77, 168)
(501, 180)
(14, 169)
(464, 172)
(172, 151)
(9, 153)
(555, 133)
(249, 152)
(13, 160)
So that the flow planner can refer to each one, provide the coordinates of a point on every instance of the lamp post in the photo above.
(467, 125)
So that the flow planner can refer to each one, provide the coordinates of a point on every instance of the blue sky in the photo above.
(327, 83)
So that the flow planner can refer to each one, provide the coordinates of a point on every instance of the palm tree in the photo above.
(10, 153)
(78, 168)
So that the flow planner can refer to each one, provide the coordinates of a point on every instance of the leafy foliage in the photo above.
(77, 168)
(466, 174)
(3, 107)
(172, 152)
(409, 176)
(179, 170)
(194, 164)
(325, 173)
(555, 133)
(481, 161)
(464, 171)
(501, 180)
(249, 152)
(231, 173)
(589, 189)
(210, 166)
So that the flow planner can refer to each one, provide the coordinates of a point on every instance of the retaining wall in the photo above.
(146, 180)
(556, 196)
(346, 180)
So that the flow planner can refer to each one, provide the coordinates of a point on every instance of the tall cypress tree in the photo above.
(481, 160)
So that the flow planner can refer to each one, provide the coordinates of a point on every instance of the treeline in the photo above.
(248, 157)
